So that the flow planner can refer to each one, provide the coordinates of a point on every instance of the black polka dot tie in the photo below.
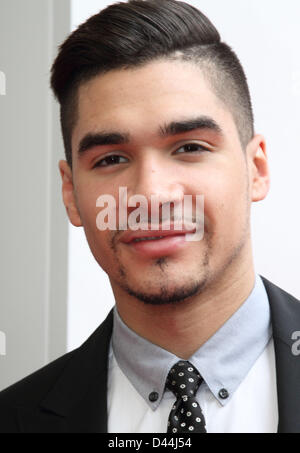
(186, 415)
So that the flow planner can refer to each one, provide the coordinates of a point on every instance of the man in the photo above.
(153, 101)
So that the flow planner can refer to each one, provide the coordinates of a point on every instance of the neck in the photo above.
(182, 328)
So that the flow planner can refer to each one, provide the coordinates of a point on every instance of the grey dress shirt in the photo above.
(223, 360)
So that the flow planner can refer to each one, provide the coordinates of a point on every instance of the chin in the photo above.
(165, 295)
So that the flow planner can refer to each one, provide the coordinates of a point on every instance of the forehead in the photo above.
(140, 99)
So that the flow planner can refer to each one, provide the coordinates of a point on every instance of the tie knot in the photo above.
(183, 380)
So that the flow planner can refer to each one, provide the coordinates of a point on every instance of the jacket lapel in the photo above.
(285, 315)
(78, 401)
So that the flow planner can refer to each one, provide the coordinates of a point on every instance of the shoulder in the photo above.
(72, 370)
(280, 295)
(35, 383)
(29, 391)
(285, 312)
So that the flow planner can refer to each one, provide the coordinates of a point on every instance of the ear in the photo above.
(258, 167)
(69, 194)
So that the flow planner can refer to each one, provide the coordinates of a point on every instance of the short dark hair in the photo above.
(131, 34)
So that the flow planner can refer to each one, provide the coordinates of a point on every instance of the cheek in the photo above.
(88, 210)
(100, 242)
(225, 193)
(88, 192)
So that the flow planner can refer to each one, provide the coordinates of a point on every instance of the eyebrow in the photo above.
(103, 138)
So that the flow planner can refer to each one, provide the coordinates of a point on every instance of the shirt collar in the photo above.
(223, 360)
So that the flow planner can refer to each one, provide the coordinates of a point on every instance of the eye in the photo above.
(192, 148)
(108, 161)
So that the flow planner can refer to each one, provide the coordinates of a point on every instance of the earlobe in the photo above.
(258, 168)
(68, 193)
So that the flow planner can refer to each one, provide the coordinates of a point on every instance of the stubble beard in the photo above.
(174, 293)
(166, 291)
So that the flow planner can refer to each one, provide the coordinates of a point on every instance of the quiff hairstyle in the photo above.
(131, 34)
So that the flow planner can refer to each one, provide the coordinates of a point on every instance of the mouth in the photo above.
(157, 243)
(149, 239)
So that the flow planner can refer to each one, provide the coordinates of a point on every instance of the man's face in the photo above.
(138, 103)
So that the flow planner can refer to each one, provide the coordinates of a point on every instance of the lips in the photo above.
(169, 245)
(131, 236)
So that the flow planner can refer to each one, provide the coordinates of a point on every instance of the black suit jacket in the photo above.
(69, 395)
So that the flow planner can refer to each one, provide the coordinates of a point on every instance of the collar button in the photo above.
(153, 396)
(223, 393)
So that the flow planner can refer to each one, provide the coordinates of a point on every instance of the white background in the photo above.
(266, 36)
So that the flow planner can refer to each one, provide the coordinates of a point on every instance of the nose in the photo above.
(156, 179)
